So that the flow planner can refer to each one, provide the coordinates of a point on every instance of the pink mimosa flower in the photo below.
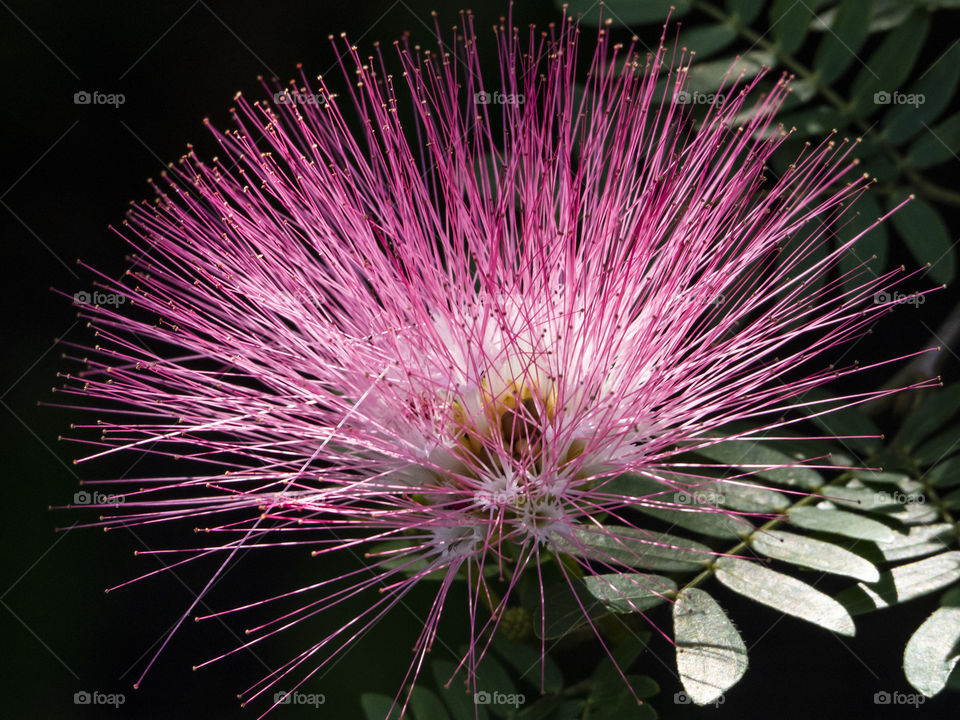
(454, 315)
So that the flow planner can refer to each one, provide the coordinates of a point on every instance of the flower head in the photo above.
(461, 335)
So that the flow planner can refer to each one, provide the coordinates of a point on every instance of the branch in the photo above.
(922, 367)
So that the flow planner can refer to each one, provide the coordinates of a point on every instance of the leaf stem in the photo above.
(935, 498)
(922, 367)
(769, 525)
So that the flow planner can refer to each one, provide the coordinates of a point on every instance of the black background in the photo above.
(68, 170)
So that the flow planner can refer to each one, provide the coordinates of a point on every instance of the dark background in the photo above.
(67, 172)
